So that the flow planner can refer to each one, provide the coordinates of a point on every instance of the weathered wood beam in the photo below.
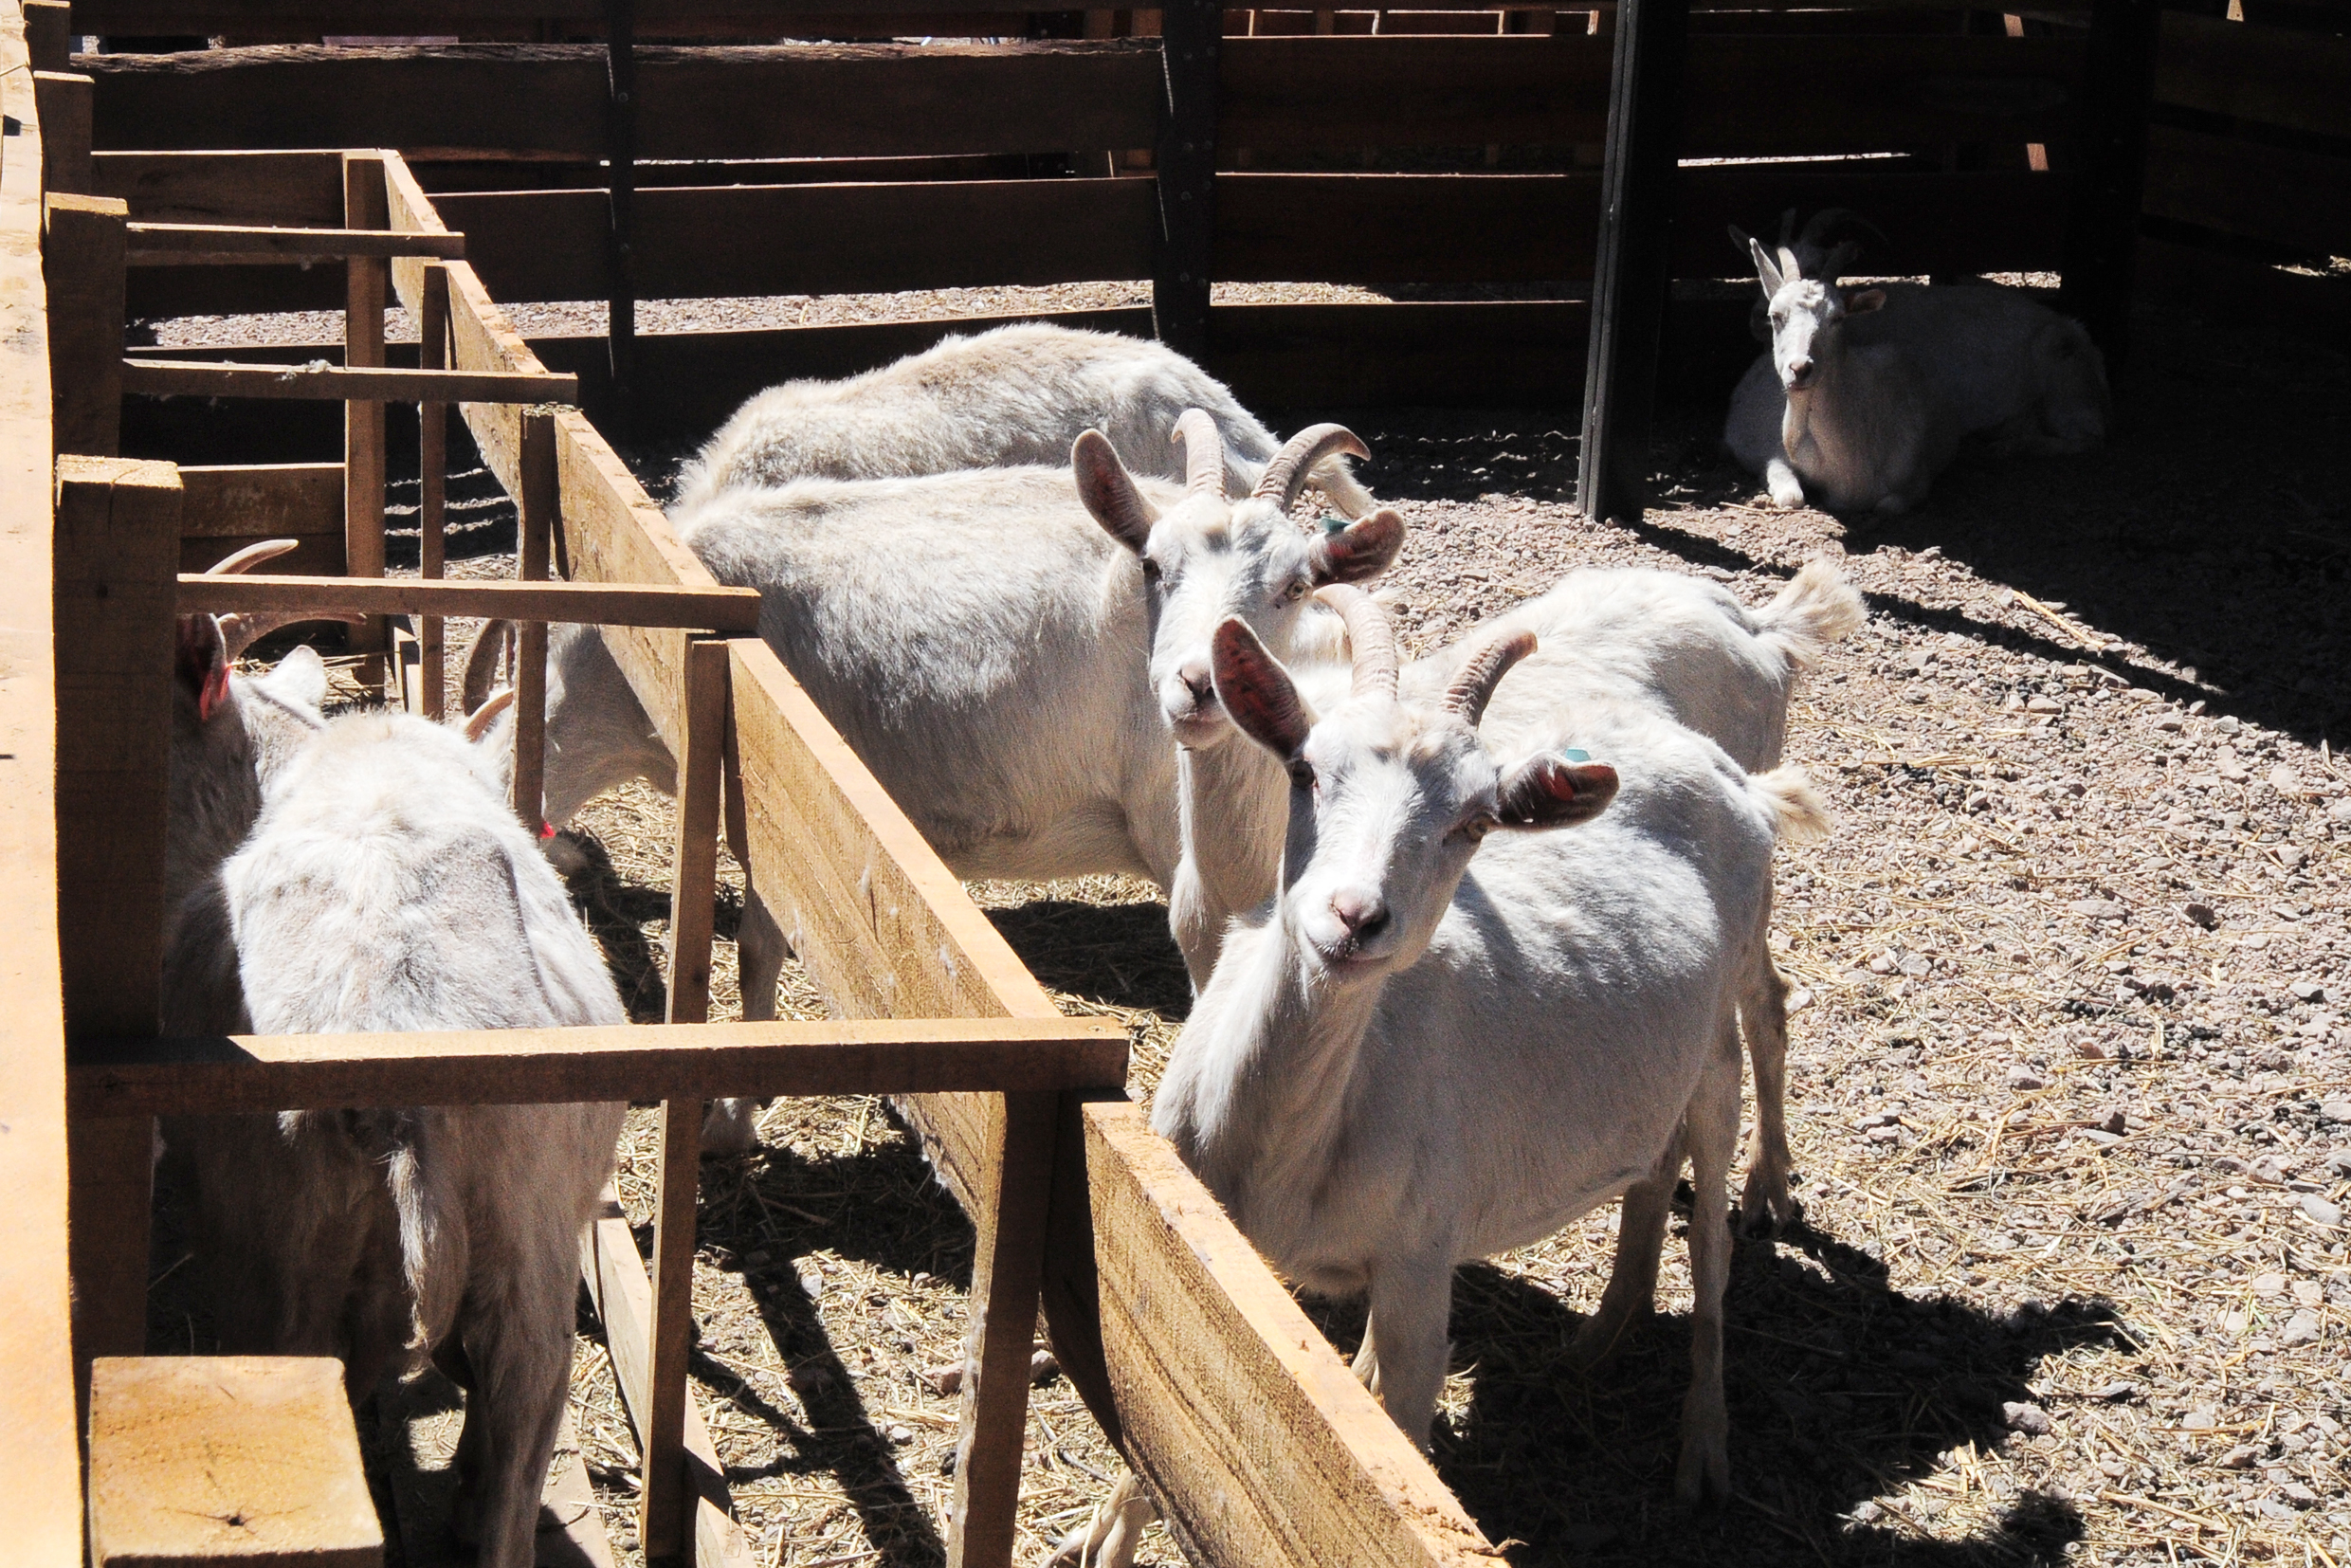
(372, 384)
(225, 245)
(603, 604)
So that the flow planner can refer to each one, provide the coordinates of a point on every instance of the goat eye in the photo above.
(1151, 570)
(1477, 828)
(1296, 592)
(1302, 774)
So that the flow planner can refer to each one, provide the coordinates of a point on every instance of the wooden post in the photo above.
(661, 1517)
(65, 103)
(621, 188)
(82, 253)
(2101, 230)
(541, 495)
(116, 602)
(218, 1459)
(1190, 45)
(48, 37)
(694, 887)
(367, 277)
(1006, 1273)
(1632, 271)
(432, 481)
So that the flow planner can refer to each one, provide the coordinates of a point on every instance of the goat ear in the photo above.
(201, 662)
(1764, 271)
(1358, 551)
(1550, 792)
(1108, 491)
(1257, 691)
(299, 680)
(1866, 301)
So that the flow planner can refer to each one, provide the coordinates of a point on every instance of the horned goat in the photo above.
(1973, 362)
(1410, 1058)
(1685, 646)
(385, 884)
(986, 648)
(1010, 396)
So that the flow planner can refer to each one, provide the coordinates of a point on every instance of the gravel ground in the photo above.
(2071, 1082)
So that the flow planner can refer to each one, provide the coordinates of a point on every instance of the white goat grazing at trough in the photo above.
(1010, 396)
(1411, 1059)
(1685, 647)
(385, 885)
(986, 648)
(1922, 369)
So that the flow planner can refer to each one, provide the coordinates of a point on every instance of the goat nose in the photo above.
(1800, 370)
(1199, 681)
(1362, 914)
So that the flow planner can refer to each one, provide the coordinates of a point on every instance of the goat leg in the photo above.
(1710, 1128)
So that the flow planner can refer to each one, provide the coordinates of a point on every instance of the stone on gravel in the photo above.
(2307, 991)
(944, 1380)
(2336, 1110)
(2029, 1419)
(2099, 909)
(2202, 914)
(2301, 1329)
(2024, 1078)
(2321, 1210)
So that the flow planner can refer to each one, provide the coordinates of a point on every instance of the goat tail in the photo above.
(1798, 813)
(1817, 607)
(433, 1240)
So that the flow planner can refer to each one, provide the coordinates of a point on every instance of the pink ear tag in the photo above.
(545, 831)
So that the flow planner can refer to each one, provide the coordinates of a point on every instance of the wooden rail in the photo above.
(340, 384)
(710, 608)
(220, 245)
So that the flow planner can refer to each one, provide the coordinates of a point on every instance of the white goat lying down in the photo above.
(1012, 395)
(1863, 401)
(1410, 1058)
(385, 885)
(986, 648)
(1685, 646)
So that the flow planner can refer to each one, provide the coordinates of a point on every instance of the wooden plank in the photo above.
(228, 244)
(538, 500)
(301, 189)
(67, 107)
(37, 1396)
(82, 270)
(1006, 1269)
(807, 100)
(366, 284)
(664, 1484)
(1632, 267)
(615, 603)
(1862, 93)
(260, 500)
(1192, 40)
(694, 858)
(229, 1074)
(2102, 235)
(1253, 1434)
(433, 487)
(812, 239)
(360, 385)
(117, 540)
(2283, 194)
(620, 163)
(49, 34)
(666, 18)
(204, 1459)
(624, 1296)
(2271, 76)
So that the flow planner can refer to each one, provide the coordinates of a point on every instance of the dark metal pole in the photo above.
(1632, 272)
(2101, 229)
(621, 145)
(1191, 35)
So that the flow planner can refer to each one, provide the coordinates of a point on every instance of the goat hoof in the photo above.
(1702, 1481)
(1595, 1345)
(1767, 1209)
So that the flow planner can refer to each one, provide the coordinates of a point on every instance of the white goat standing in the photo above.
(385, 885)
(1897, 376)
(1685, 646)
(1408, 1060)
(986, 648)
(1012, 395)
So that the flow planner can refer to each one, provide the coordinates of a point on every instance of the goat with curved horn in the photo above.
(241, 629)
(1295, 464)
(1204, 454)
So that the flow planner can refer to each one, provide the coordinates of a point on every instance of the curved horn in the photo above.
(1204, 454)
(241, 629)
(477, 723)
(1300, 456)
(1482, 671)
(1371, 636)
(481, 661)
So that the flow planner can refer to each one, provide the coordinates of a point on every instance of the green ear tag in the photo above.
(1575, 755)
(1331, 522)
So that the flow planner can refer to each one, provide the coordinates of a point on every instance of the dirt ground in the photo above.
(2071, 1083)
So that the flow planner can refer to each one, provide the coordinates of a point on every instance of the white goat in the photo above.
(1407, 1062)
(1013, 396)
(988, 650)
(385, 885)
(1896, 376)
(1685, 647)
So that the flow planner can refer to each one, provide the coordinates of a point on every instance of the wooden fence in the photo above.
(1185, 1346)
